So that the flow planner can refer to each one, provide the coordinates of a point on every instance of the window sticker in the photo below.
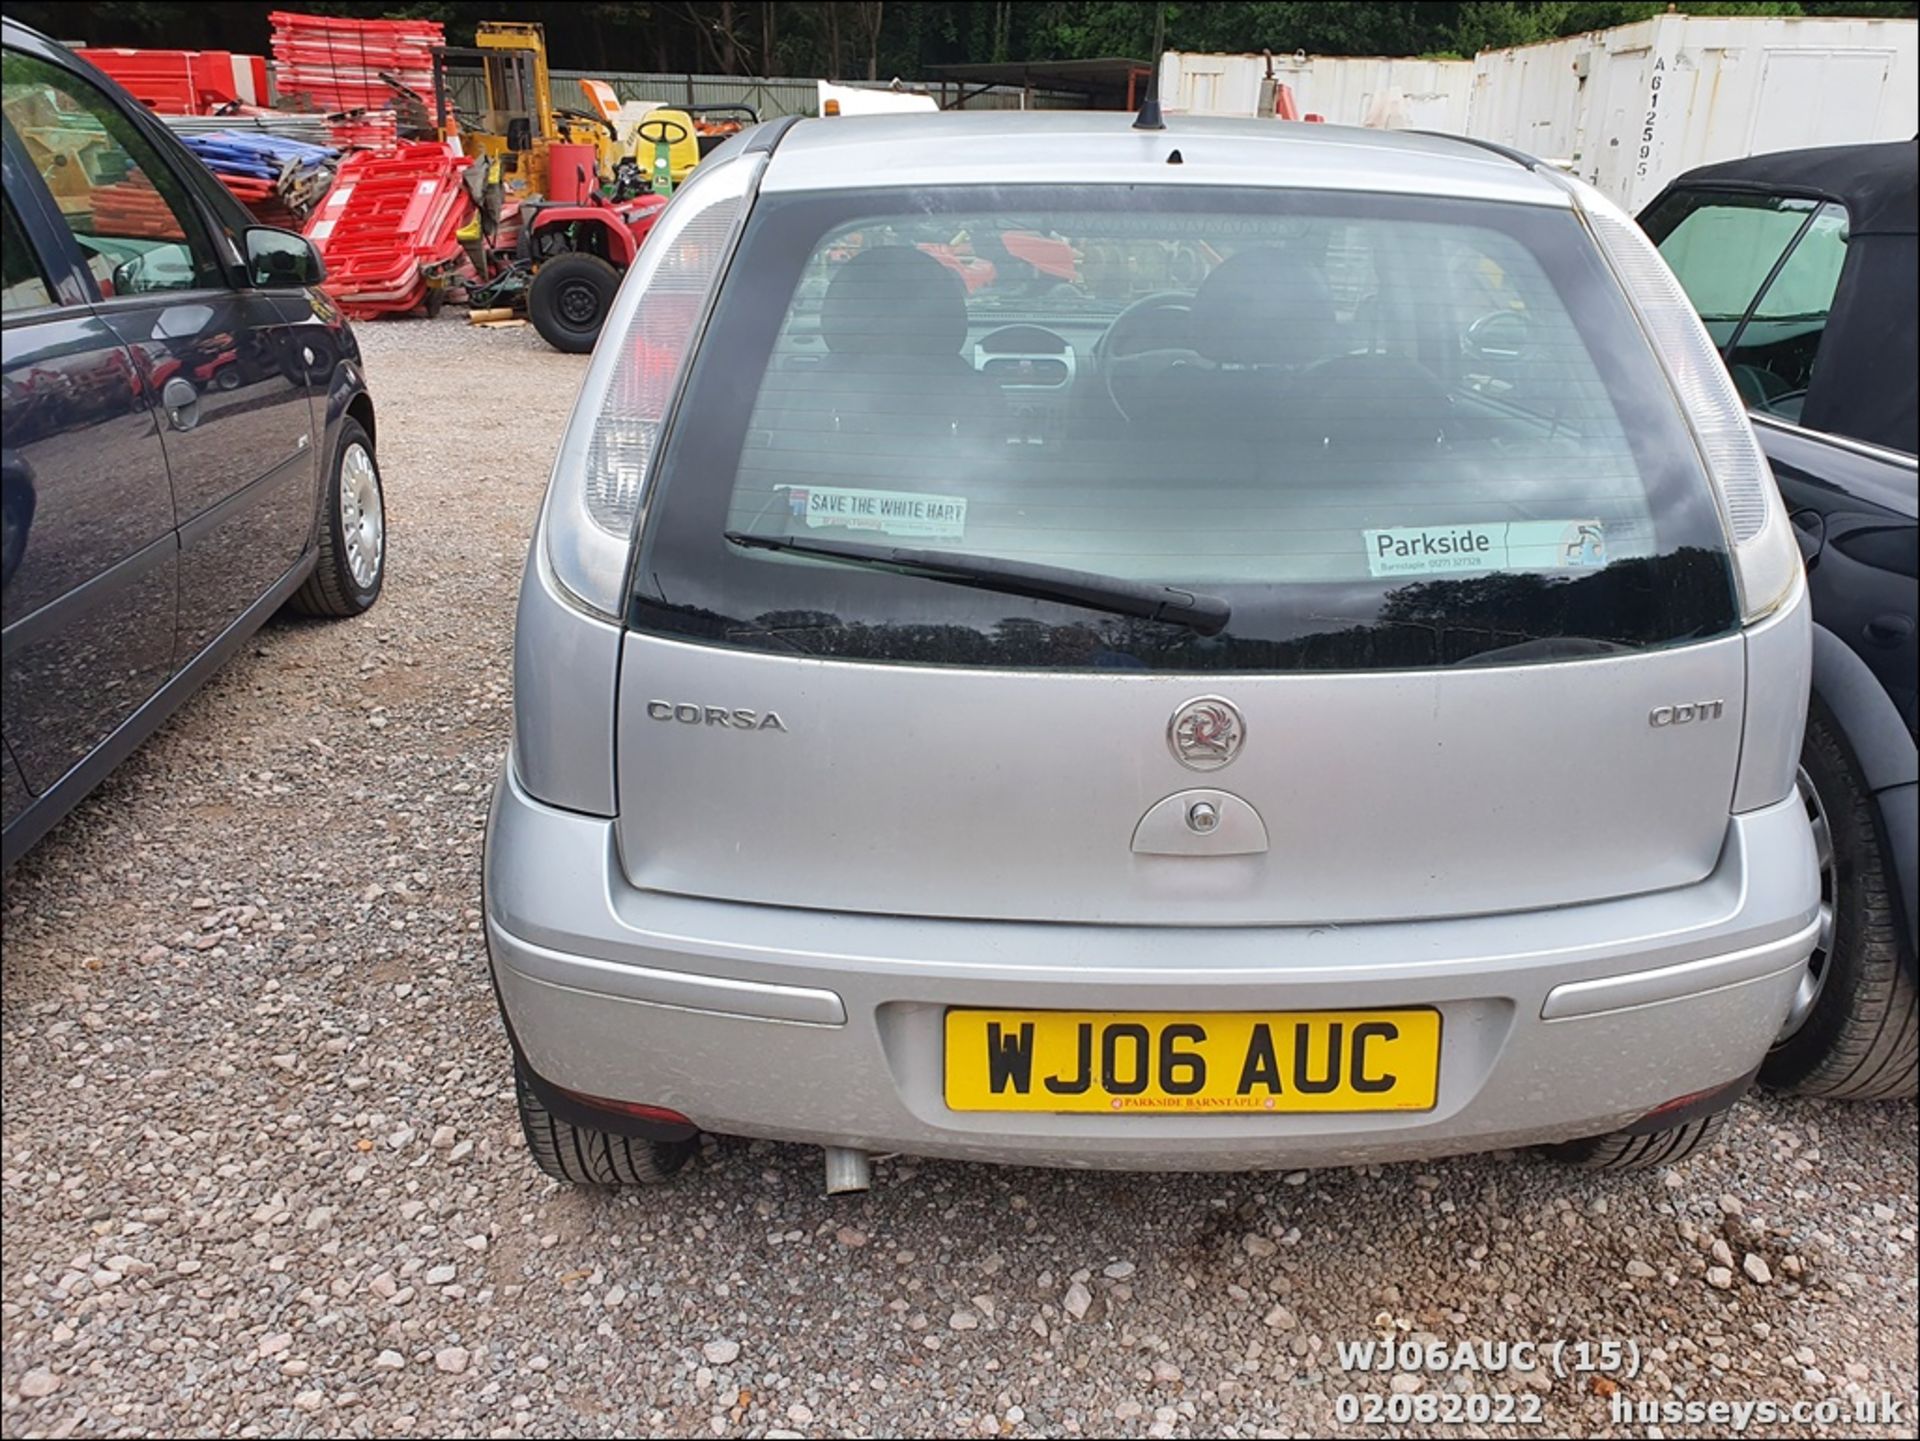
(892, 512)
(1504, 545)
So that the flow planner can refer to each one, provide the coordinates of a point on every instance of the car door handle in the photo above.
(181, 402)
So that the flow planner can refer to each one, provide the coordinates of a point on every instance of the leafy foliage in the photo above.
(853, 39)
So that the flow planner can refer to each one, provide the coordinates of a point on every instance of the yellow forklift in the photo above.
(519, 124)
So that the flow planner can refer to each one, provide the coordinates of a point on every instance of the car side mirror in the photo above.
(281, 260)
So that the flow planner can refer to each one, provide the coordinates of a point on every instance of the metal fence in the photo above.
(771, 97)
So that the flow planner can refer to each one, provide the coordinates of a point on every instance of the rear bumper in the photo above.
(821, 1027)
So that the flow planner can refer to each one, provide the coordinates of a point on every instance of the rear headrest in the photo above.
(895, 300)
(1263, 307)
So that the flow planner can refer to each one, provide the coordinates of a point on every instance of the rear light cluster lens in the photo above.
(600, 478)
(1766, 559)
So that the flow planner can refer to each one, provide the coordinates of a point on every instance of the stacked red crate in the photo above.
(336, 63)
(386, 221)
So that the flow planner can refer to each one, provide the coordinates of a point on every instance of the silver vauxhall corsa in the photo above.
(1241, 645)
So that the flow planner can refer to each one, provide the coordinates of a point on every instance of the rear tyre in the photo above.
(1621, 1151)
(1854, 1031)
(587, 1157)
(352, 564)
(569, 300)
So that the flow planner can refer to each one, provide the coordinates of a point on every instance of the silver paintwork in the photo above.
(873, 1083)
(362, 520)
(1014, 795)
(1086, 147)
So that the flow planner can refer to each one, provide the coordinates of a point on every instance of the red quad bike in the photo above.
(579, 250)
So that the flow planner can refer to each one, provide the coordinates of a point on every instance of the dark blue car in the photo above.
(188, 439)
(1803, 266)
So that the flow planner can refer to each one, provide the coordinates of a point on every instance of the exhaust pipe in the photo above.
(847, 1170)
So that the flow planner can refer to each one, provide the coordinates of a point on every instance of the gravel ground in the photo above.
(262, 1173)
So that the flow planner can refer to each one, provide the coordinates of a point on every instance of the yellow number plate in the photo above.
(1215, 1061)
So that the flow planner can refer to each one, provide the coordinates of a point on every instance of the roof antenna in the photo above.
(1149, 116)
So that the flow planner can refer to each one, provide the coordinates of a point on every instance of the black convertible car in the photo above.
(1803, 266)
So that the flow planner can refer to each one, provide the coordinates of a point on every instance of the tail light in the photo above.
(1766, 558)
(600, 478)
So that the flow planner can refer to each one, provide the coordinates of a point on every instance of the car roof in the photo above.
(1039, 147)
(17, 36)
(1877, 183)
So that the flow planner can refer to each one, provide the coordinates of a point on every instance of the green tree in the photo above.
(856, 38)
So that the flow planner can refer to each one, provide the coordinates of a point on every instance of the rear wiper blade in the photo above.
(1206, 614)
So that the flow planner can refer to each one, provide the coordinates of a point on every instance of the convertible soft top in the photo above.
(1874, 182)
(1866, 384)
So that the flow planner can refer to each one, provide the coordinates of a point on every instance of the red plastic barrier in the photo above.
(388, 218)
(226, 76)
(363, 130)
(337, 63)
(185, 82)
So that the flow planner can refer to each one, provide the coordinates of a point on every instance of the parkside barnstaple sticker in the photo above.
(892, 512)
(1504, 545)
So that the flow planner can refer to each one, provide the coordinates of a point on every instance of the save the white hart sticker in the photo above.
(1503, 545)
(892, 512)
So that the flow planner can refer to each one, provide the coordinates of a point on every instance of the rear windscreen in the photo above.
(1384, 432)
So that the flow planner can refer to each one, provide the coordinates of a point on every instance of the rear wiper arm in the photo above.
(1207, 614)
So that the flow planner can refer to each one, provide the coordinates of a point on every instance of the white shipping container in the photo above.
(1628, 109)
(1376, 90)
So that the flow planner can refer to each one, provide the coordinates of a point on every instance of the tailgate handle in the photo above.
(1200, 823)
